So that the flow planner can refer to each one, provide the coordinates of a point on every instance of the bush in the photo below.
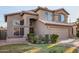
(32, 38)
(77, 34)
(42, 39)
(54, 38)
(46, 38)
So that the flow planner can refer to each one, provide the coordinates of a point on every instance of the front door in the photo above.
(32, 25)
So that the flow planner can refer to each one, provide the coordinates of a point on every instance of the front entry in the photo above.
(32, 25)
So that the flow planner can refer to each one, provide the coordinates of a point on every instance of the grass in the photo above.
(20, 48)
(15, 48)
(57, 49)
(54, 49)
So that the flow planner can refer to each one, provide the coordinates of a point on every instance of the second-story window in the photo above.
(61, 18)
(16, 22)
(48, 16)
(21, 22)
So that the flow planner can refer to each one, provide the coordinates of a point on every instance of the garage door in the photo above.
(62, 32)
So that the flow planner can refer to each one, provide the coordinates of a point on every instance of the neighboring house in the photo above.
(40, 21)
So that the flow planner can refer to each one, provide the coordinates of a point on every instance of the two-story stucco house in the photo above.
(40, 21)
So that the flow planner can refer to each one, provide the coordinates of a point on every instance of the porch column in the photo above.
(26, 25)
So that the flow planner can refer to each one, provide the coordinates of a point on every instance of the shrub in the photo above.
(47, 38)
(32, 38)
(29, 36)
(77, 34)
(54, 38)
(41, 39)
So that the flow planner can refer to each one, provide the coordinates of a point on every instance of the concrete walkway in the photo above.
(61, 42)
(75, 46)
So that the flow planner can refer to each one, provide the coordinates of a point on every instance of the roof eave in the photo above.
(5, 16)
(58, 24)
(63, 10)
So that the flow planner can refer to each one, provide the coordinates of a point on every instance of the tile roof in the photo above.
(56, 23)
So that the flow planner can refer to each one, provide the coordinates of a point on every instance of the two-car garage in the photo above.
(63, 31)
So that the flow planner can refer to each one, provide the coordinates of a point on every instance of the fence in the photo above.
(3, 35)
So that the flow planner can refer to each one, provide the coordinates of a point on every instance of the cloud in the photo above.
(3, 24)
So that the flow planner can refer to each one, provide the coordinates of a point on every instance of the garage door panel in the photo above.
(62, 32)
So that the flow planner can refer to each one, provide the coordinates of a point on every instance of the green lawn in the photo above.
(20, 48)
(55, 49)
(15, 48)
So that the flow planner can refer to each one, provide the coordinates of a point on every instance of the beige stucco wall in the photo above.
(26, 18)
(10, 27)
(41, 14)
(40, 28)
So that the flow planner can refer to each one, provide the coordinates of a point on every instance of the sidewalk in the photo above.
(62, 42)
(71, 49)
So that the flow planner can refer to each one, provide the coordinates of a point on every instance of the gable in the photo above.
(61, 11)
(57, 10)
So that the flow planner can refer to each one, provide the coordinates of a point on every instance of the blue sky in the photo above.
(73, 10)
